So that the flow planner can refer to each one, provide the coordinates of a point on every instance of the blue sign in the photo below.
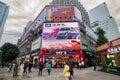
(62, 52)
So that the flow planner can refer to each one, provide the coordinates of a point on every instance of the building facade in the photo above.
(100, 17)
(4, 10)
(59, 32)
(25, 42)
(77, 3)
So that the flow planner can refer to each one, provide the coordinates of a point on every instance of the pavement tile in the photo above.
(57, 74)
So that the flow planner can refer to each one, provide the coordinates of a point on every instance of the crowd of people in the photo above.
(67, 70)
(15, 67)
(25, 67)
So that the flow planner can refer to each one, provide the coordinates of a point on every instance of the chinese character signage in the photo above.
(114, 49)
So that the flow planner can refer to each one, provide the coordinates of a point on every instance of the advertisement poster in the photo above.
(57, 14)
(61, 36)
(60, 13)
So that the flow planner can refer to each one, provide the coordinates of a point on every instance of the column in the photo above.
(103, 60)
(117, 59)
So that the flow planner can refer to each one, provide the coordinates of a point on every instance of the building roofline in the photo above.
(97, 6)
(4, 3)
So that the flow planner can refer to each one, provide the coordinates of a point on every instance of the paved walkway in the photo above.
(57, 74)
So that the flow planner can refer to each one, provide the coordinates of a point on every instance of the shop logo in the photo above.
(47, 25)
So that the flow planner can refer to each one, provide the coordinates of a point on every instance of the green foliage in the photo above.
(101, 37)
(9, 52)
(109, 61)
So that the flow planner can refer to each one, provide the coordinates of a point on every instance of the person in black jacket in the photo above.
(30, 66)
(71, 71)
(94, 64)
(41, 65)
(25, 67)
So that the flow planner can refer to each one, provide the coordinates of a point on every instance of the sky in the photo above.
(22, 11)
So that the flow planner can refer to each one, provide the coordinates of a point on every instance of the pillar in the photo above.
(103, 60)
(117, 59)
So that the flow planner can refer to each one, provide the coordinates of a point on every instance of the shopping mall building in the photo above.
(59, 33)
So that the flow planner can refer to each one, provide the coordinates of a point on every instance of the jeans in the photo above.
(48, 71)
(40, 72)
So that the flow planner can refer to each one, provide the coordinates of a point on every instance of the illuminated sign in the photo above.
(61, 52)
(57, 14)
(61, 36)
(114, 49)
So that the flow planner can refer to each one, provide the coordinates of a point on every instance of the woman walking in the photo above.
(66, 71)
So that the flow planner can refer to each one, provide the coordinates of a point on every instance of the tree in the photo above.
(101, 36)
(9, 52)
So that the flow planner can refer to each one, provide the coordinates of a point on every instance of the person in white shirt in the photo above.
(21, 69)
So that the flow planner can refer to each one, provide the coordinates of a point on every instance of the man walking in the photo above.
(41, 65)
(49, 66)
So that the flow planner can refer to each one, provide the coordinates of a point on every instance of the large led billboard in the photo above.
(61, 36)
(57, 14)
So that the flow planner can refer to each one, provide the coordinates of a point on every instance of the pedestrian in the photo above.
(30, 64)
(25, 67)
(80, 65)
(10, 67)
(3, 64)
(94, 65)
(21, 69)
(77, 63)
(66, 71)
(41, 66)
(49, 66)
(71, 71)
(15, 69)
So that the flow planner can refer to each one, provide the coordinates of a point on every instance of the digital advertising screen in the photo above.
(59, 13)
(61, 36)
